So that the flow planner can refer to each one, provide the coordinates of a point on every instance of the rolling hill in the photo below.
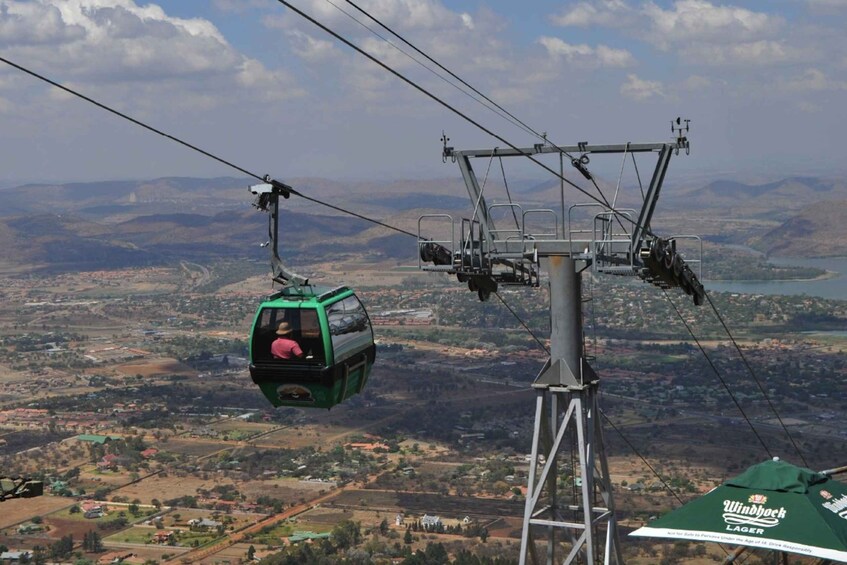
(778, 200)
(64, 242)
(129, 223)
(817, 231)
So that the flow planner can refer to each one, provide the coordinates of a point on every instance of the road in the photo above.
(198, 276)
(234, 537)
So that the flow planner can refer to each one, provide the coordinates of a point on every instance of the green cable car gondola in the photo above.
(309, 346)
(334, 349)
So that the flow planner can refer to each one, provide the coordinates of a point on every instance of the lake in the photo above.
(835, 288)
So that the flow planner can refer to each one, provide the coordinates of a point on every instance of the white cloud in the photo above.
(639, 89)
(471, 45)
(701, 20)
(754, 53)
(426, 23)
(116, 43)
(309, 47)
(813, 80)
(604, 13)
(585, 55)
(808, 107)
(397, 14)
(239, 6)
(683, 22)
(701, 31)
(827, 4)
(34, 23)
(696, 83)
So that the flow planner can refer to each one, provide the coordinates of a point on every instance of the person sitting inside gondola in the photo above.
(283, 347)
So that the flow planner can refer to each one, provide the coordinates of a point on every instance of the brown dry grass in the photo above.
(147, 552)
(233, 554)
(303, 436)
(19, 510)
(323, 519)
(193, 447)
(156, 368)
(167, 488)
(236, 425)
(282, 489)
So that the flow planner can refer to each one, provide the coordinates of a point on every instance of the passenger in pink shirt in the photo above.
(284, 347)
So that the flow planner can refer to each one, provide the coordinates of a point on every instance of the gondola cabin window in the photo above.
(305, 330)
(349, 327)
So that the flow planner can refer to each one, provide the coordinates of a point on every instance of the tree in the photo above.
(346, 534)
(39, 556)
(436, 554)
(407, 538)
(62, 548)
(383, 526)
(92, 542)
(251, 553)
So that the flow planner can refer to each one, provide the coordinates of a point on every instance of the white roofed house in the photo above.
(430, 522)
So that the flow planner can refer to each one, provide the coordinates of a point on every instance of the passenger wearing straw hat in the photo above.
(283, 347)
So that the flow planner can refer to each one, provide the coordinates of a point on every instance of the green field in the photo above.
(182, 538)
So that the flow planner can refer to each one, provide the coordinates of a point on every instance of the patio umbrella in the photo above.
(773, 505)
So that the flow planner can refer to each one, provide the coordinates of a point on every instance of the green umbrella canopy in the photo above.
(773, 505)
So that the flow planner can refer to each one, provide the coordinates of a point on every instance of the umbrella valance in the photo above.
(772, 505)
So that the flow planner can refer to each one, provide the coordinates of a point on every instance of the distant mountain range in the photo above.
(125, 223)
(778, 200)
(817, 231)
(61, 242)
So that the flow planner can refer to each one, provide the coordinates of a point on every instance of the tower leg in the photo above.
(566, 406)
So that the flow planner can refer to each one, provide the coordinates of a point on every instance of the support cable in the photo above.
(756, 379)
(638, 176)
(649, 466)
(525, 326)
(479, 201)
(131, 119)
(643, 460)
(718, 374)
(196, 148)
(514, 119)
(497, 109)
(355, 214)
(234, 166)
(620, 175)
(509, 195)
(602, 200)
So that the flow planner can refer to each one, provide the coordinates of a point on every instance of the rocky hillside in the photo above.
(817, 231)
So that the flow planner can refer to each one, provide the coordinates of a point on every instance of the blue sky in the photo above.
(764, 83)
